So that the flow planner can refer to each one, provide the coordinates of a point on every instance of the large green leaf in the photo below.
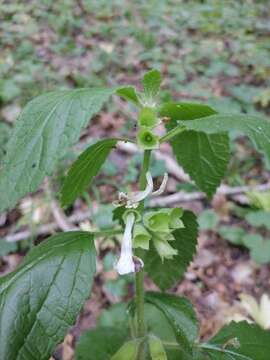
(181, 316)
(165, 274)
(84, 169)
(204, 157)
(239, 341)
(256, 128)
(47, 126)
(41, 299)
(100, 344)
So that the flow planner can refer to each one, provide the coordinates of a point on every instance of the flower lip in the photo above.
(132, 200)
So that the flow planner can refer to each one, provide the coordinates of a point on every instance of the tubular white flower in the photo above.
(125, 264)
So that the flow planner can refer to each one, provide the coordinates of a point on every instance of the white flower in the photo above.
(260, 312)
(132, 200)
(125, 264)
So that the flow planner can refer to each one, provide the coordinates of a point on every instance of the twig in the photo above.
(164, 200)
(223, 190)
(48, 228)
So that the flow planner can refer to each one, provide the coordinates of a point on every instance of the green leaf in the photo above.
(204, 157)
(259, 248)
(41, 299)
(100, 344)
(46, 128)
(234, 234)
(258, 218)
(256, 128)
(7, 247)
(151, 84)
(208, 220)
(128, 93)
(240, 341)
(181, 316)
(87, 166)
(165, 274)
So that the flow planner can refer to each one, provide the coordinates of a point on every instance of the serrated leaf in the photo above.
(256, 128)
(41, 299)
(151, 84)
(165, 274)
(47, 126)
(129, 93)
(240, 341)
(100, 344)
(181, 316)
(204, 157)
(84, 169)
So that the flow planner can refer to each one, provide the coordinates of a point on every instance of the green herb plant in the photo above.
(41, 299)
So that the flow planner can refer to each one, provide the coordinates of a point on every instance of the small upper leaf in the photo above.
(129, 93)
(181, 316)
(165, 274)
(240, 341)
(41, 299)
(47, 126)
(204, 157)
(256, 128)
(151, 84)
(84, 169)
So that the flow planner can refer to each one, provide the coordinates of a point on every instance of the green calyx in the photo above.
(148, 118)
(136, 213)
(164, 220)
(147, 140)
(161, 224)
(141, 237)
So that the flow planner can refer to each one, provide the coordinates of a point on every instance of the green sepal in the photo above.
(141, 237)
(164, 220)
(156, 347)
(138, 216)
(157, 221)
(163, 248)
(147, 118)
(147, 140)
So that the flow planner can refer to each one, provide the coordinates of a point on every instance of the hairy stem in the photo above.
(139, 278)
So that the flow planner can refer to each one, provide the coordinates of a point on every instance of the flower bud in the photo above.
(141, 237)
(147, 140)
(148, 118)
(128, 351)
(157, 221)
(157, 350)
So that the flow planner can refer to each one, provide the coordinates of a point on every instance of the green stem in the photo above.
(172, 133)
(139, 278)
